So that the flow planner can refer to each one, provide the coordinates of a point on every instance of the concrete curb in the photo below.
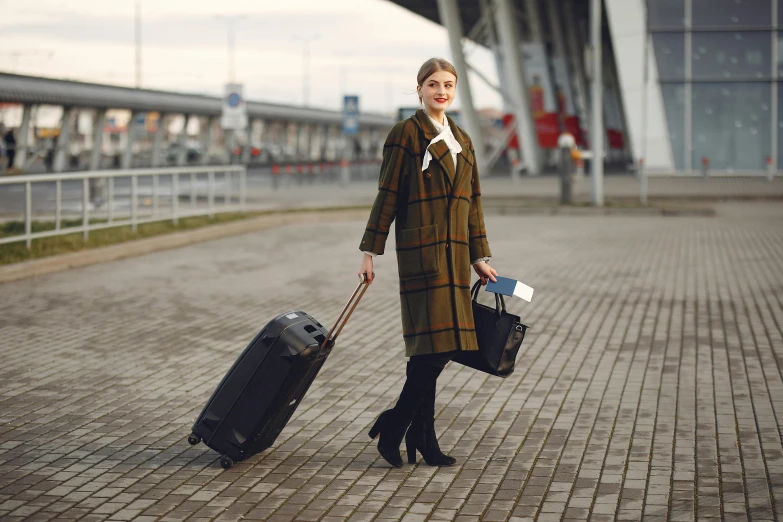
(92, 256)
(555, 210)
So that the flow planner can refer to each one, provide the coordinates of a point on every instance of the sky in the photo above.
(372, 48)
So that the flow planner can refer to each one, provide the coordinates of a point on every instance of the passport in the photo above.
(510, 287)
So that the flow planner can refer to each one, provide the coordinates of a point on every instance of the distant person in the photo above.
(10, 147)
(2, 142)
(429, 183)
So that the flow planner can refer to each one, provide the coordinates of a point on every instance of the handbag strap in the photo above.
(500, 303)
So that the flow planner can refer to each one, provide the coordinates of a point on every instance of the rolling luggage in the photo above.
(258, 395)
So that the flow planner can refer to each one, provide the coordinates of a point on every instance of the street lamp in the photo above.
(306, 66)
(230, 20)
(137, 32)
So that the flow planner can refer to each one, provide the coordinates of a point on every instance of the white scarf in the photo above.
(445, 134)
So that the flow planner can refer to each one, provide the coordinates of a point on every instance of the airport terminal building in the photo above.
(687, 84)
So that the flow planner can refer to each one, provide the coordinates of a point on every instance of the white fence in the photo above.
(116, 198)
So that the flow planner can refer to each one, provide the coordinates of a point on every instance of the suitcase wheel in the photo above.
(193, 439)
(226, 462)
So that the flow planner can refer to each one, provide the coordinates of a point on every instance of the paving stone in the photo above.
(649, 382)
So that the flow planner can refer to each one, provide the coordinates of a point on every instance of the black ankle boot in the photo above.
(392, 424)
(391, 434)
(421, 435)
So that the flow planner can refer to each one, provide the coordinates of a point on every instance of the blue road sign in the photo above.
(350, 114)
(234, 99)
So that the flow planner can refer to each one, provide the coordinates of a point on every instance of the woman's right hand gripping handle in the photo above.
(366, 268)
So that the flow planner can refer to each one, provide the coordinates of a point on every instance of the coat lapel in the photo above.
(465, 158)
(439, 150)
(441, 153)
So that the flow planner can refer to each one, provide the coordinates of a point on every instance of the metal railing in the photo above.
(116, 198)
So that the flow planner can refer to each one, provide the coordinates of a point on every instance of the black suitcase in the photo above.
(258, 395)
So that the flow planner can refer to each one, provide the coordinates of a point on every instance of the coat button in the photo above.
(428, 175)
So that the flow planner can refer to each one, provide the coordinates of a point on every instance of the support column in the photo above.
(303, 141)
(497, 52)
(449, 15)
(330, 135)
(271, 141)
(64, 139)
(23, 139)
(248, 147)
(610, 72)
(229, 143)
(563, 76)
(156, 145)
(575, 55)
(182, 140)
(323, 133)
(97, 139)
(206, 138)
(127, 157)
(537, 37)
(597, 120)
(505, 20)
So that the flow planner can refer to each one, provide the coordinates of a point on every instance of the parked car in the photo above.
(192, 154)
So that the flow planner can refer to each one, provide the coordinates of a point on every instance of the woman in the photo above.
(429, 184)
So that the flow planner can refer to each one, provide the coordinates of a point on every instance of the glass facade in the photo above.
(718, 66)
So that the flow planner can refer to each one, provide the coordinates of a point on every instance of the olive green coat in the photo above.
(439, 230)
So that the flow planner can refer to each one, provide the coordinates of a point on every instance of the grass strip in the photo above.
(50, 246)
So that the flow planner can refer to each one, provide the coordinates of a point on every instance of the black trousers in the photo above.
(433, 360)
(421, 375)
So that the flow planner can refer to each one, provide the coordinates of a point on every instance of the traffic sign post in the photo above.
(350, 128)
(234, 116)
(350, 115)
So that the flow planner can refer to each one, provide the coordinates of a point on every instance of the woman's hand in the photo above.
(485, 272)
(366, 268)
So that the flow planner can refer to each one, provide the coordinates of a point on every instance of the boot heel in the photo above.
(411, 452)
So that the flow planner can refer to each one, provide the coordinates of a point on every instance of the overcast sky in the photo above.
(374, 47)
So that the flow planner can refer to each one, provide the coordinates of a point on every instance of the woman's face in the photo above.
(438, 91)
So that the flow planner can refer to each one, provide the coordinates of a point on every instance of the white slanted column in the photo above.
(650, 139)
(64, 139)
(449, 15)
(23, 139)
(508, 32)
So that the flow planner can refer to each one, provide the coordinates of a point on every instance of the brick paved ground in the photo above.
(650, 384)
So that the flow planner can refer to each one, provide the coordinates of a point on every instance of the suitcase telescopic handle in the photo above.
(347, 311)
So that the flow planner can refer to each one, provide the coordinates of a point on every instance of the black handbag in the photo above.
(499, 335)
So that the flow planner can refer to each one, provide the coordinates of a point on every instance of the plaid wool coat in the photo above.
(439, 230)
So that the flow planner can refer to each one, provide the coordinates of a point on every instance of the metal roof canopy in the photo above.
(469, 10)
(47, 91)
